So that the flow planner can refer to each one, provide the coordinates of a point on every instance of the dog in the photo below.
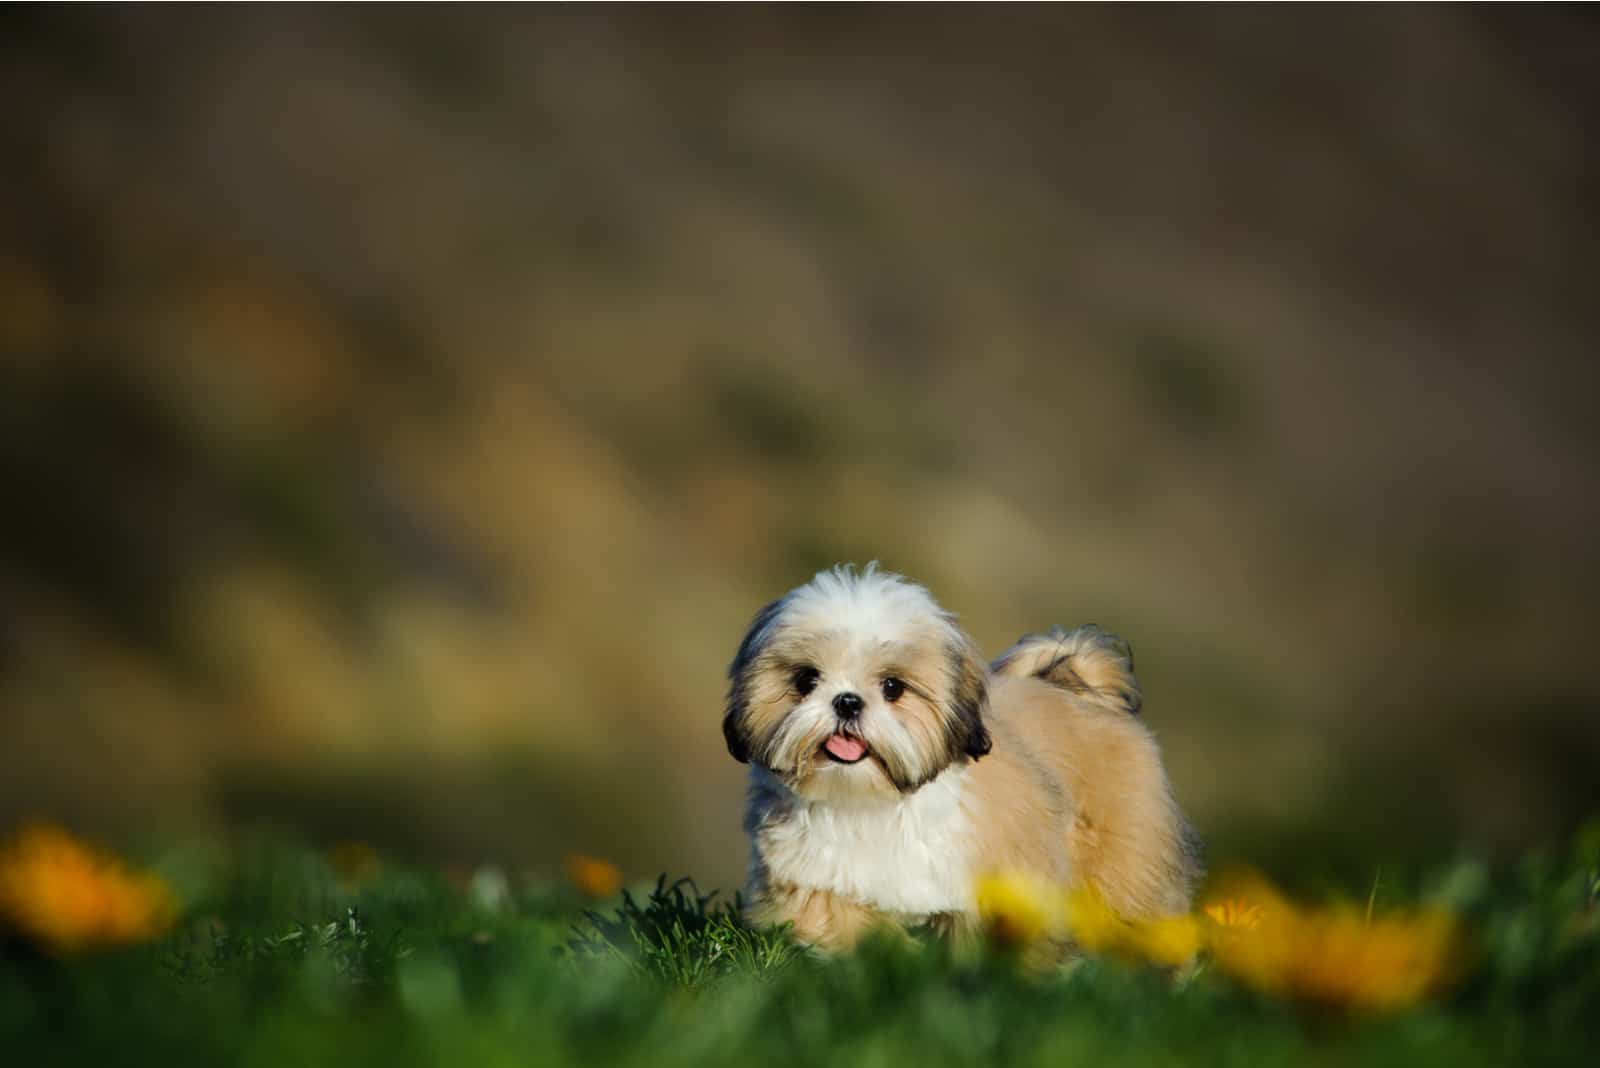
(891, 768)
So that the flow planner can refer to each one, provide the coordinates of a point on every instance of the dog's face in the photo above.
(856, 685)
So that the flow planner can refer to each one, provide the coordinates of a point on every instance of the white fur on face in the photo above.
(873, 605)
(855, 629)
(794, 748)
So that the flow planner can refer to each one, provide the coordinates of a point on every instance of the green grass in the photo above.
(277, 963)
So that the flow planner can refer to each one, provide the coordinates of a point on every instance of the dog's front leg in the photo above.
(819, 918)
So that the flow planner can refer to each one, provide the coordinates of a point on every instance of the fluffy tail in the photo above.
(1085, 660)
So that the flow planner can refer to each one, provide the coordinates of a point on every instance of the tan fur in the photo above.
(817, 918)
(1074, 792)
(1085, 660)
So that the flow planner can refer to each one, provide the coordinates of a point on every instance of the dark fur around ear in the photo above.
(755, 639)
(969, 697)
(1085, 660)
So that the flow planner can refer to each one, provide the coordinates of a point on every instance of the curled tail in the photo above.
(1085, 660)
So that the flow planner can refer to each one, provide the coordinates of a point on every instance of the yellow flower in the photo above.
(1234, 914)
(1170, 941)
(1095, 926)
(1018, 910)
(595, 877)
(71, 897)
(1335, 957)
(1021, 910)
(1167, 941)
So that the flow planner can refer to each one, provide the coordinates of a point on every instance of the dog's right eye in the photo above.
(805, 680)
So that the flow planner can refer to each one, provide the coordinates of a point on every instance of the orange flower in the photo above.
(71, 897)
(1234, 913)
(1334, 957)
(593, 876)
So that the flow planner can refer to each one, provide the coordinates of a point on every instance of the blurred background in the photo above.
(402, 413)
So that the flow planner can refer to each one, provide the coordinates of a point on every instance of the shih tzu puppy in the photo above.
(891, 768)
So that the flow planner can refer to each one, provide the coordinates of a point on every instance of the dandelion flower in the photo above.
(1165, 941)
(1335, 957)
(1095, 926)
(1234, 914)
(71, 897)
(1169, 942)
(1021, 910)
(593, 876)
(1018, 910)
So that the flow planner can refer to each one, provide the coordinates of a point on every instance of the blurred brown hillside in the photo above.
(402, 412)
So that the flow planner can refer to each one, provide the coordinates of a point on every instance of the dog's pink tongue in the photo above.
(845, 747)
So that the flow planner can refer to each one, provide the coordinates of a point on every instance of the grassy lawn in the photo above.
(278, 958)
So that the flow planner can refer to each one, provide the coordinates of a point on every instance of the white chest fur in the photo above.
(911, 856)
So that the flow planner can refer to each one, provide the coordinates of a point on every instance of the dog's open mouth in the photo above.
(844, 749)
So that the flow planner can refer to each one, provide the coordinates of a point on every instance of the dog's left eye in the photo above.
(892, 689)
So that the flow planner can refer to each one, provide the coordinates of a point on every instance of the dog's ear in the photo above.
(740, 681)
(734, 735)
(1085, 660)
(968, 696)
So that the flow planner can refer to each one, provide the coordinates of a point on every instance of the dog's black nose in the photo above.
(848, 705)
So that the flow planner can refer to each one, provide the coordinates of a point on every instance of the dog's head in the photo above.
(856, 684)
